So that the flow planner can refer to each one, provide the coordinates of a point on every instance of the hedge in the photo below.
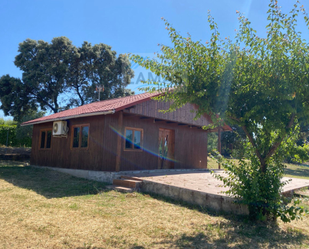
(10, 131)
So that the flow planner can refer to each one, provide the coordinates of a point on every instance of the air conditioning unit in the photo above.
(60, 128)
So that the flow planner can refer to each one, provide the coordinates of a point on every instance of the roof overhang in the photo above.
(69, 117)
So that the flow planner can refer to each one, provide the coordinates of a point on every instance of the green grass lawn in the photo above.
(297, 170)
(40, 208)
(292, 170)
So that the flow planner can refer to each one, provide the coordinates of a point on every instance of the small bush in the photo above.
(260, 191)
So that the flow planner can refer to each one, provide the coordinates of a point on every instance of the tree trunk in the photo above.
(56, 109)
(263, 168)
(82, 102)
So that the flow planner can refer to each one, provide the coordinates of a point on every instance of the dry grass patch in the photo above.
(40, 208)
(212, 164)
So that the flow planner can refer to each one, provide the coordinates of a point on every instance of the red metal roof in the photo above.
(96, 108)
(100, 108)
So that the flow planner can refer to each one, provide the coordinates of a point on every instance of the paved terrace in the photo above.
(199, 187)
(203, 181)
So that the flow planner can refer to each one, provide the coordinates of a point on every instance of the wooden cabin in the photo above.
(121, 134)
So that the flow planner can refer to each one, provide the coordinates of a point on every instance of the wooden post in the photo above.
(219, 144)
(118, 156)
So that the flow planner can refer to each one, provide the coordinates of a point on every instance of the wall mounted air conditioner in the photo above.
(60, 128)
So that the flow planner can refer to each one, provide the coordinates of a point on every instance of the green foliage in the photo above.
(291, 212)
(7, 130)
(9, 136)
(44, 67)
(8, 133)
(14, 97)
(7, 122)
(232, 142)
(259, 84)
(57, 69)
(98, 65)
(18, 135)
(212, 141)
(260, 191)
(24, 133)
(292, 151)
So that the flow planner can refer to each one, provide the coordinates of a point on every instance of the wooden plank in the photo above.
(118, 156)
(219, 144)
(104, 152)
(181, 115)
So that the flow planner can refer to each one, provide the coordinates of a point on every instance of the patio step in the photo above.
(120, 189)
(131, 178)
(128, 183)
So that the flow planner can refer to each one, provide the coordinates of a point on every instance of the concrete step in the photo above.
(131, 178)
(127, 183)
(120, 189)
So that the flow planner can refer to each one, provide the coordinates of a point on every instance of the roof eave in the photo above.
(70, 117)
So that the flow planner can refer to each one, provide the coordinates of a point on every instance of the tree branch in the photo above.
(280, 139)
(253, 144)
(46, 103)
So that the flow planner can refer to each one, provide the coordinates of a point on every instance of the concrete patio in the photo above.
(197, 187)
(204, 181)
(200, 187)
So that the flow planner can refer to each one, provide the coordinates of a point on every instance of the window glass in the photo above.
(85, 133)
(48, 141)
(137, 139)
(43, 134)
(129, 136)
(76, 137)
(133, 139)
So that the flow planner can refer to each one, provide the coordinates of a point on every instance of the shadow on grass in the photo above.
(303, 164)
(300, 172)
(235, 231)
(239, 234)
(49, 183)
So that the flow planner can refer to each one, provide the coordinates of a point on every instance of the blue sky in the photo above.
(127, 26)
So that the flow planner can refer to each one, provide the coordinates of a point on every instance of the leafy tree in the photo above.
(57, 69)
(259, 84)
(97, 65)
(93, 66)
(14, 97)
(45, 67)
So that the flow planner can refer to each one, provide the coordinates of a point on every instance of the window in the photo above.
(134, 138)
(80, 136)
(45, 139)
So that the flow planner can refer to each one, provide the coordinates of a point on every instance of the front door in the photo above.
(166, 149)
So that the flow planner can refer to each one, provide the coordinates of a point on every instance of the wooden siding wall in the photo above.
(100, 154)
(190, 145)
(182, 115)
